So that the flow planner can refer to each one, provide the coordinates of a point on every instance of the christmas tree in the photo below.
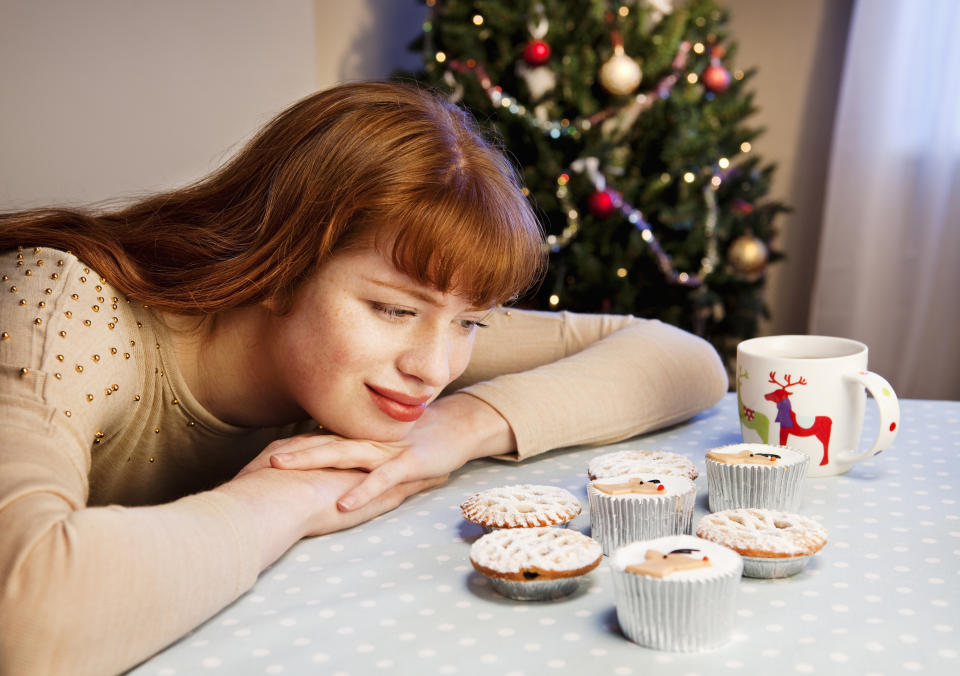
(628, 123)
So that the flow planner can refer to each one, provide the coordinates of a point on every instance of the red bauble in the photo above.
(716, 78)
(603, 203)
(536, 53)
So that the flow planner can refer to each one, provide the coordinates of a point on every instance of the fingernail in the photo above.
(282, 457)
(347, 503)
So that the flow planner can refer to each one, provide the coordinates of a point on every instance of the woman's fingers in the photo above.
(333, 453)
(387, 477)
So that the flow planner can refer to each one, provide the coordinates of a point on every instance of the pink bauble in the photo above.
(536, 53)
(716, 78)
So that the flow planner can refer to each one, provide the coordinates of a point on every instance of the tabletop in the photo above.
(398, 595)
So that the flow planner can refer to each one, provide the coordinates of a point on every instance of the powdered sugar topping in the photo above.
(547, 549)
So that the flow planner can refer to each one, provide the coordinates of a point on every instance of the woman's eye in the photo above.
(393, 312)
(471, 323)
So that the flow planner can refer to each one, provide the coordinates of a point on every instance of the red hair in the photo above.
(372, 162)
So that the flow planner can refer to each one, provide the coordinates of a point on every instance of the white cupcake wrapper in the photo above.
(676, 615)
(765, 567)
(615, 521)
(536, 590)
(755, 486)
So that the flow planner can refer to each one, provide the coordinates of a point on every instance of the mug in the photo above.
(809, 393)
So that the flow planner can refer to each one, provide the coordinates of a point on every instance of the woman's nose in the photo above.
(427, 359)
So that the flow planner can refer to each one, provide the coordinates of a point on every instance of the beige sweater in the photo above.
(111, 543)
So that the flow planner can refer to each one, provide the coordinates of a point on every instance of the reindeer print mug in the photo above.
(809, 393)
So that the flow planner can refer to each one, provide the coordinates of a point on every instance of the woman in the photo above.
(166, 367)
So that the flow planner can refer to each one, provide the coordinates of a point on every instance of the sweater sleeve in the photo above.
(91, 590)
(563, 379)
(96, 590)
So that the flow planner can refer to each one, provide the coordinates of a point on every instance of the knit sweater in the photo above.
(108, 526)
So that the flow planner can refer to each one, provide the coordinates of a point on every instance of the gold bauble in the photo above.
(748, 255)
(620, 74)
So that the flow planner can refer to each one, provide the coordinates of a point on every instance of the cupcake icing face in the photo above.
(744, 458)
(643, 485)
(755, 454)
(722, 561)
(662, 564)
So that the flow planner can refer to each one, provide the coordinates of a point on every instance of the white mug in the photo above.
(807, 393)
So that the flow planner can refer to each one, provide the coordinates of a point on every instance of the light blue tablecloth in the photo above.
(398, 595)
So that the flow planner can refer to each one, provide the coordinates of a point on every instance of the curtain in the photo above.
(888, 269)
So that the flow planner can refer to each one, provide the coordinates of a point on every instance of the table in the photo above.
(398, 595)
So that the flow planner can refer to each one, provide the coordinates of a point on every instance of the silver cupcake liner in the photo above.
(755, 486)
(676, 615)
(756, 566)
(615, 522)
(536, 590)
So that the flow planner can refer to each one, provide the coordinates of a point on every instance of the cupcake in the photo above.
(639, 507)
(772, 544)
(522, 506)
(535, 564)
(619, 463)
(755, 475)
(676, 593)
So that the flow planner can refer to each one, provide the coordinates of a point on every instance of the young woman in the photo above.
(192, 383)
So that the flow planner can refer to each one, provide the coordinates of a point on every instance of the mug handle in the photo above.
(889, 407)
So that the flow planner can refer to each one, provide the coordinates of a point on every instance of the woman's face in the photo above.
(365, 348)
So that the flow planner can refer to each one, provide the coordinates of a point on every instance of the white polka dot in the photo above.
(733, 664)
(556, 664)
(427, 652)
(623, 671)
(345, 631)
(808, 617)
(334, 580)
(320, 657)
(803, 668)
(875, 646)
(598, 652)
(913, 666)
(467, 641)
(947, 653)
(842, 658)
(383, 664)
(770, 652)
(336, 548)
(240, 633)
(774, 628)
(489, 658)
(547, 621)
(274, 669)
(531, 647)
(406, 636)
(839, 608)
(571, 636)
(907, 638)
(907, 612)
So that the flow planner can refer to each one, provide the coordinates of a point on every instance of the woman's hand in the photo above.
(452, 430)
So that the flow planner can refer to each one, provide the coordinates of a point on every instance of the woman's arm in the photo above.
(96, 590)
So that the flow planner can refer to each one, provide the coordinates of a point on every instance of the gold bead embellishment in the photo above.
(83, 280)
(86, 271)
(74, 296)
(98, 289)
(102, 281)
(13, 289)
(23, 301)
(156, 430)
(59, 357)
(54, 276)
(62, 334)
(114, 306)
(126, 355)
(4, 336)
(95, 308)
(114, 387)
(113, 350)
(49, 292)
(136, 397)
(67, 413)
(79, 368)
(4, 278)
(24, 371)
(132, 344)
(28, 273)
(89, 397)
(151, 459)
(38, 321)
(190, 423)
(58, 376)
(40, 263)
(107, 391)
(175, 402)
(95, 357)
(60, 263)
(42, 304)
(20, 255)
(100, 299)
(68, 314)
(19, 264)
(86, 322)
(139, 325)
(36, 250)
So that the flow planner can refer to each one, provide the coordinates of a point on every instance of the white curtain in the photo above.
(889, 262)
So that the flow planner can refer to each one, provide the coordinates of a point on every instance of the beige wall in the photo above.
(107, 98)
(797, 49)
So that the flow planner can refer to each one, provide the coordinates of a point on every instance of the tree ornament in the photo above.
(536, 53)
(603, 203)
(748, 255)
(540, 79)
(620, 74)
(715, 77)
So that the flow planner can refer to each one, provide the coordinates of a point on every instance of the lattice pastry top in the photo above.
(521, 506)
(763, 532)
(535, 553)
(619, 463)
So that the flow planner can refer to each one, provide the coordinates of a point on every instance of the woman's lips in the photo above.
(398, 405)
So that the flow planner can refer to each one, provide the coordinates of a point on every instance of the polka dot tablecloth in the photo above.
(398, 595)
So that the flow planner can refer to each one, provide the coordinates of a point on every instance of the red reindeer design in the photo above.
(788, 419)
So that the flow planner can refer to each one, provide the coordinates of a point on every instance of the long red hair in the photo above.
(374, 162)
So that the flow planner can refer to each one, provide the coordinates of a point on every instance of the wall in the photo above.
(108, 98)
